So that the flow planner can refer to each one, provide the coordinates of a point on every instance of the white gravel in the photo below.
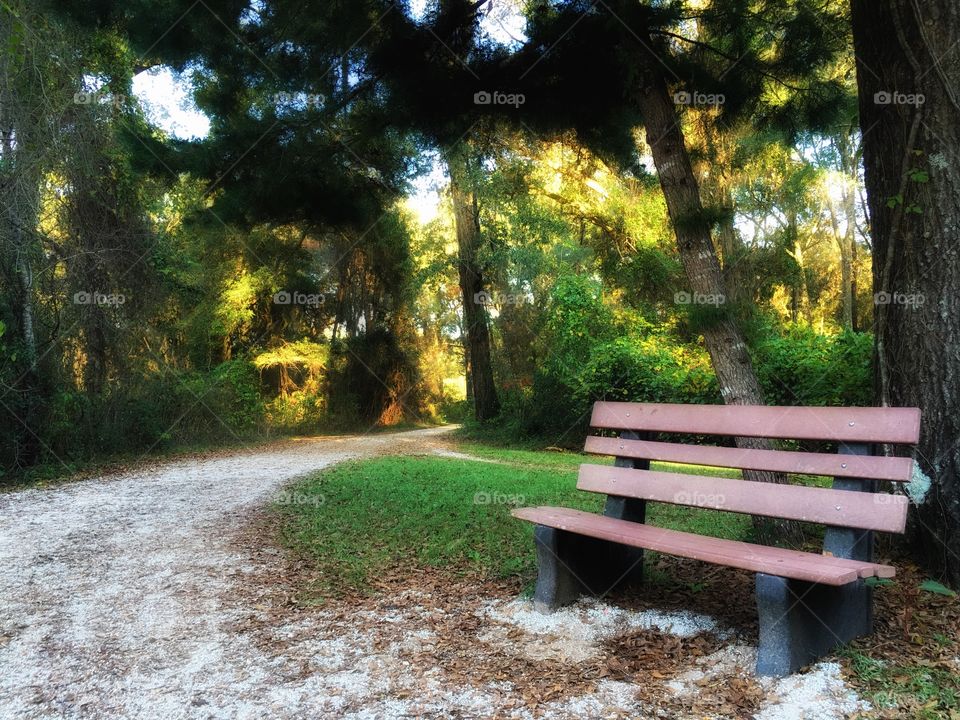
(115, 602)
(819, 694)
(592, 620)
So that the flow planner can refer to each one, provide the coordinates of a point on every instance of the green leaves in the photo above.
(932, 586)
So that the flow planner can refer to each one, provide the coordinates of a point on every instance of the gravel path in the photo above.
(130, 596)
(110, 590)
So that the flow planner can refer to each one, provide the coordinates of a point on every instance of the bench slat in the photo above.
(874, 467)
(841, 508)
(843, 424)
(863, 568)
(745, 556)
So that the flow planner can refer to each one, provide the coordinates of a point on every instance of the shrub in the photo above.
(799, 366)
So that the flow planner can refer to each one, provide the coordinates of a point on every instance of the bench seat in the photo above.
(793, 564)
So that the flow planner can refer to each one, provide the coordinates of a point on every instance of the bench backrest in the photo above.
(856, 429)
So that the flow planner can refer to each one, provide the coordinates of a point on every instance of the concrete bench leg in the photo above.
(801, 621)
(570, 565)
(557, 582)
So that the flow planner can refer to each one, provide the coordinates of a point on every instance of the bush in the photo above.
(156, 413)
(590, 354)
(799, 366)
(654, 369)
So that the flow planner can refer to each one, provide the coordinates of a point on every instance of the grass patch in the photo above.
(364, 517)
(555, 459)
(920, 691)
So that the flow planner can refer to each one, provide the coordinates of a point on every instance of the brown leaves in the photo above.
(916, 640)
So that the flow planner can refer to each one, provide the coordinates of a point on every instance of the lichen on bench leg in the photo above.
(802, 621)
(557, 583)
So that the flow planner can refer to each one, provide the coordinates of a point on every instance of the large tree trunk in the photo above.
(724, 340)
(910, 153)
(472, 287)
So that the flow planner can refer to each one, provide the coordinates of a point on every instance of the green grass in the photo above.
(930, 693)
(363, 517)
(563, 459)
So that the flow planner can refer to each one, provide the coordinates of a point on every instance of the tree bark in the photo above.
(911, 156)
(472, 287)
(724, 340)
(846, 242)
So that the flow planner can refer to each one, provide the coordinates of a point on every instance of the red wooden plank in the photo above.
(876, 467)
(842, 508)
(692, 540)
(745, 556)
(844, 424)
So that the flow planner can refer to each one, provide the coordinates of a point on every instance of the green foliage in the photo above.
(590, 352)
(652, 369)
(798, 366)
(932, 586)
(159, 413)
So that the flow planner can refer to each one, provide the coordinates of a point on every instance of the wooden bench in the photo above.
(808, 603)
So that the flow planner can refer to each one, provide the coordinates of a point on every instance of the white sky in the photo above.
(168, 103)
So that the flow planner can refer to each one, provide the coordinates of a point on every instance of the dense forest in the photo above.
(484, 212)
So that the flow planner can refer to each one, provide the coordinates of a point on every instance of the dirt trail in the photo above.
(128, 597)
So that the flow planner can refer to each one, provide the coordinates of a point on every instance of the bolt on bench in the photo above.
(808, 603)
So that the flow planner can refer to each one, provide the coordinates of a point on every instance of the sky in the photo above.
(168, 102)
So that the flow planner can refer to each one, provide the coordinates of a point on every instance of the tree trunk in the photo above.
(847, 242)
(801, 292)
(724, 340)
(841, 239)
(17, 221)
(910, 148)
(854, 285)
(472, 288)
